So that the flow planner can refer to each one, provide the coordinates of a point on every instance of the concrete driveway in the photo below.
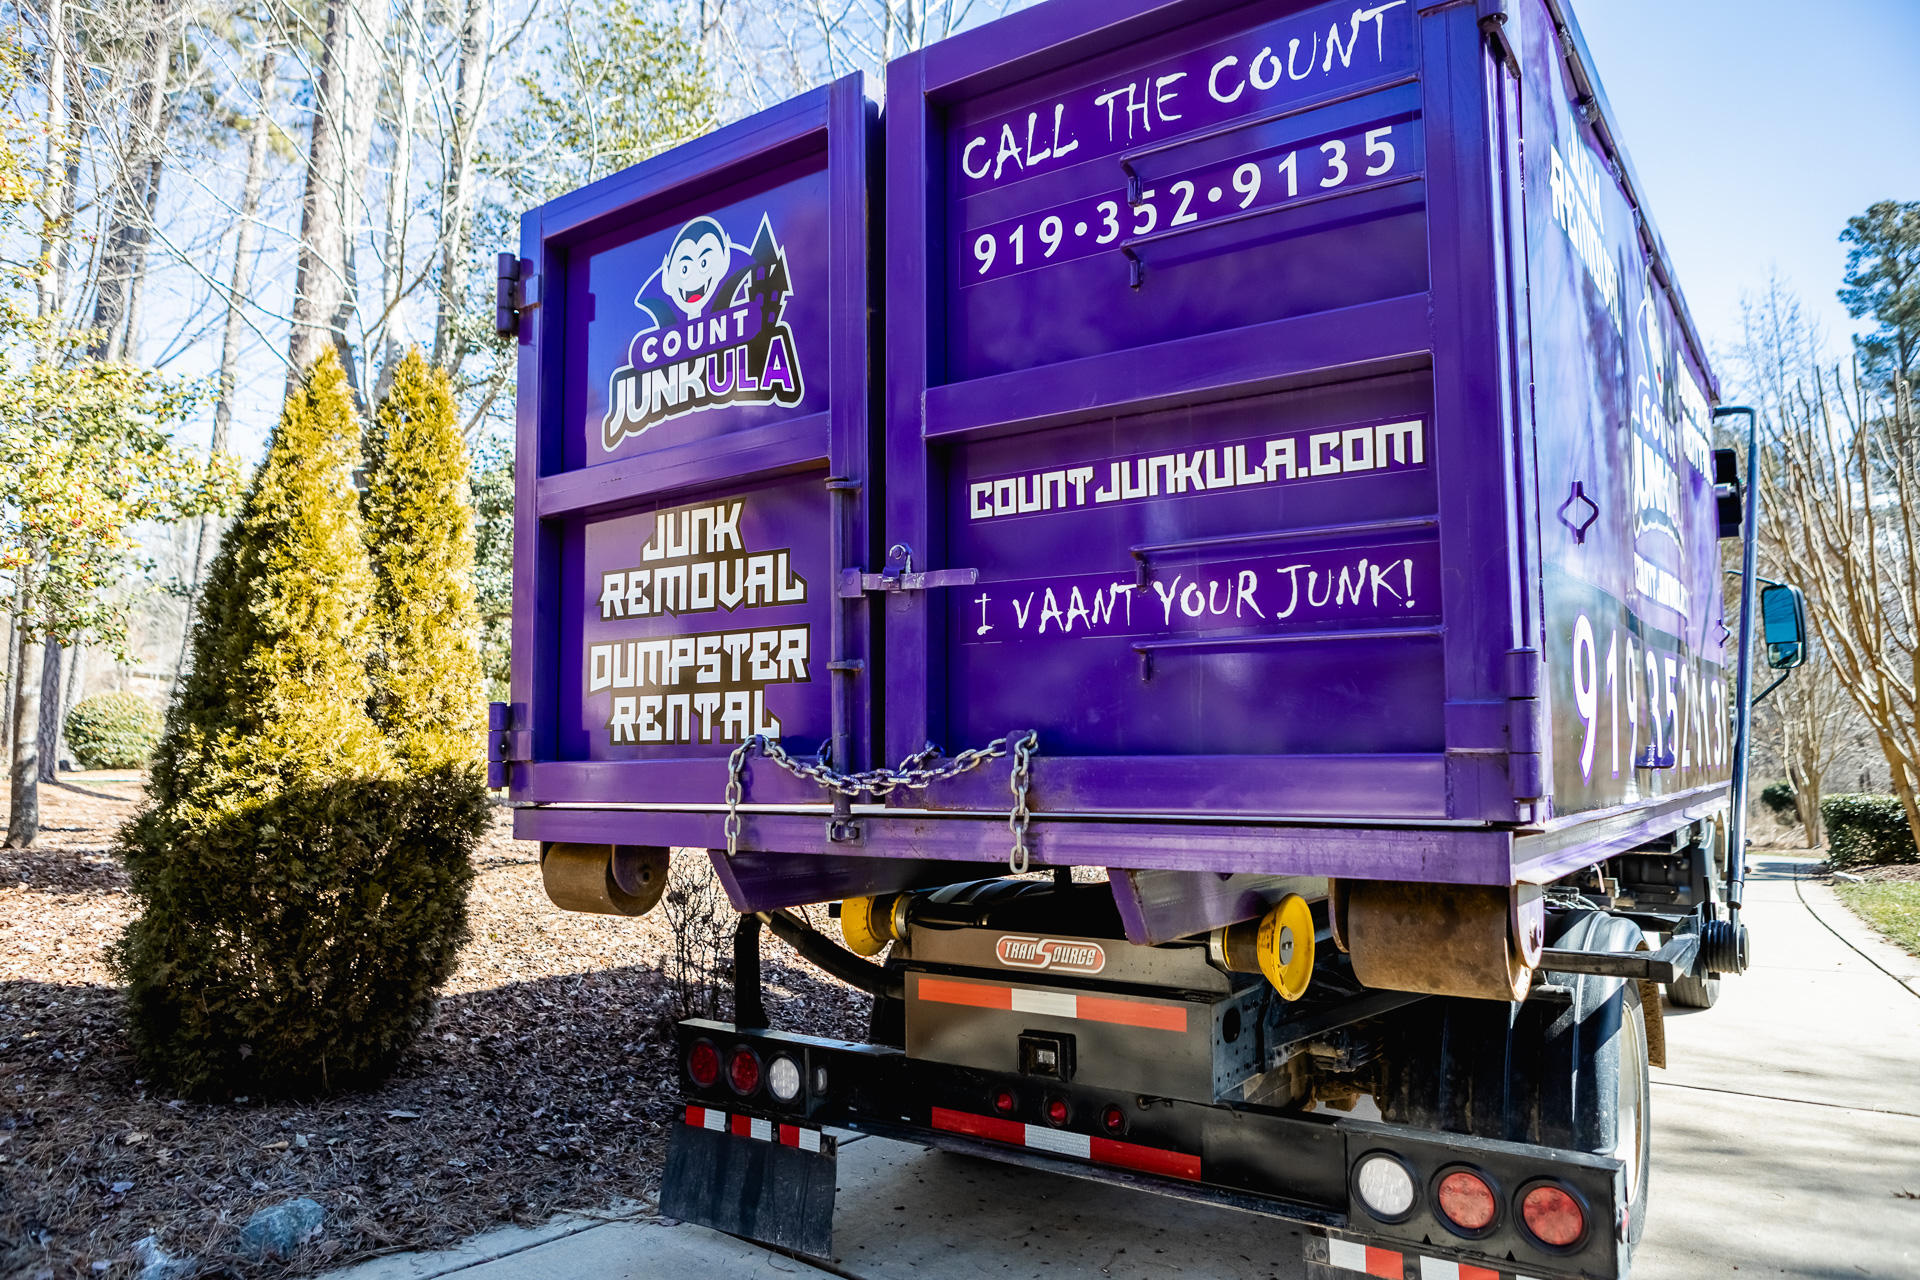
(1786, 1143)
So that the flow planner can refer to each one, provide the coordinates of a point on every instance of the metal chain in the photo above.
(915, 773)
(1019, 816)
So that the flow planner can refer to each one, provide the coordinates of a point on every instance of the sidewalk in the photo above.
(1786, 1143)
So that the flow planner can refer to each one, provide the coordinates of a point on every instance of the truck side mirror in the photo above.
(1726, 491)
(1783, 621)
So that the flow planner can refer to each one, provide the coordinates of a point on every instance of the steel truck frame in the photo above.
(1280, 488)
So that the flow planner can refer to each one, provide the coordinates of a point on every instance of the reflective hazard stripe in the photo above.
(787, 1135)
(1389, 1264)
(1061, 1142)
(1350, 1255)
(1441, 1269)
(1153, 1015)
(794, 1136)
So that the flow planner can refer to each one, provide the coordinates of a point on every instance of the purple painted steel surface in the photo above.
(1448, 856)
(694, 431)
(1159, 906)
(757, 881)
(1247, 353)
(1635, 634)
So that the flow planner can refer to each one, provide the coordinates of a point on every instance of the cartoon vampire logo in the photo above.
(713, 332)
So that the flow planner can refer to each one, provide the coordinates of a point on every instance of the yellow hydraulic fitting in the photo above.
(1278, 945)
(869, 924)
(1285, 946)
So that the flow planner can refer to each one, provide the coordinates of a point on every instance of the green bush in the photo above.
(1867, 831)
(113, 731)
(1778, 798)
(301, 897)
(427, 679)
(292, 941)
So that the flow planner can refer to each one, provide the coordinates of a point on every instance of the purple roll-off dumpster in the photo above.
(1256, 450)
(1306, 451)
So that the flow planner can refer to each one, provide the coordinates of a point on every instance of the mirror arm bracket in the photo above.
(1777, 682)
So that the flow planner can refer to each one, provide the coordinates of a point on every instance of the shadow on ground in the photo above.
(519, 1101)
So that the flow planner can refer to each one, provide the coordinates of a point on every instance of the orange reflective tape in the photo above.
(979, 995)
(1134, 1013)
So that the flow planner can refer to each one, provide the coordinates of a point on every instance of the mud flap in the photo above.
(762, 1181)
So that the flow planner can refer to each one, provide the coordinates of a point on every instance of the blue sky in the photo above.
(1758, 127)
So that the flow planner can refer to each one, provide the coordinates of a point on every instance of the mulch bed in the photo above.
(544, 1083)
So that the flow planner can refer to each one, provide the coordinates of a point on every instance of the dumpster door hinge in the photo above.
(1525, 756)
(515, 289)
(506, 743)
(898, 575)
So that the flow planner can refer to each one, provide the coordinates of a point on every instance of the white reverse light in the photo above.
(1384, 1186)
(783, 1078)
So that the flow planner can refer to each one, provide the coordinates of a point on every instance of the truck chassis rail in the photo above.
(745, 1162)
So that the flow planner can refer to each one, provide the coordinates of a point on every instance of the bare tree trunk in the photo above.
(321, 277)
(455, 195)
(143, 234)
(57, 197)
(13, 676)
(244, 238)
(125, 257)
(366, 61)
(23, 809)
(47, 735)
(23, 813)
(393, 250)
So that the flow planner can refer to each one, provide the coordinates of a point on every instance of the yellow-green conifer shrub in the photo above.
(419, 523)
(300, 899)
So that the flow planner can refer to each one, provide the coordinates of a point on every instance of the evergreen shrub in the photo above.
(302, 895)
(1867, 831)
(113, 731)
(1778, 798)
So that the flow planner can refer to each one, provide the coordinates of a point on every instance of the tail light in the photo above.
(1553, 1216)
(1113, 1120)
(1466, 1201)
(703, 1064)
(1003, 1102)
(743, 1072)
(1384, 1185)
(1057, 1112)
(783, 1078)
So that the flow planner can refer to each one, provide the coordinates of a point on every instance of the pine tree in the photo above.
(301, 900)
(419, 528)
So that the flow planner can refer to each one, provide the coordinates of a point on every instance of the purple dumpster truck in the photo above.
(1196, 526)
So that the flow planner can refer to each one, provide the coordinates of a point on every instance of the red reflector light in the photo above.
(1056, 1111)
(1554, 1217)
(1113, 1120)
(743, 1072)
(1003, 1102)
(1466, 1200)
(703, 1064)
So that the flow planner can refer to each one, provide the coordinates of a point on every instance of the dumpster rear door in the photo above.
(694, 457)
(1195, 358)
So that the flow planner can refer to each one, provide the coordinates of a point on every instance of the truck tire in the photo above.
(1568, 1072)
(1699, 990)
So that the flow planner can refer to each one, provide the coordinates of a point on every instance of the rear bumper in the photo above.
(1297, 1167)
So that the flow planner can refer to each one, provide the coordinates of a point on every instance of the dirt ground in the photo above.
(544, 1083)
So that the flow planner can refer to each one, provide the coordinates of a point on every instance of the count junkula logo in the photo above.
(712, 332)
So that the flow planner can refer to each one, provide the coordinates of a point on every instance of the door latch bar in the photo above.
(898, 575)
